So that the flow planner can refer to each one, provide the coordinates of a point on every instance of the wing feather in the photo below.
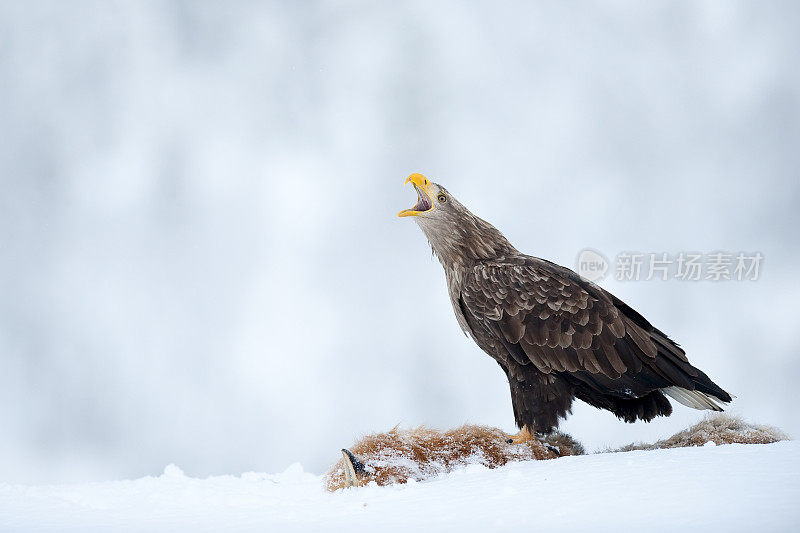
(547, 316)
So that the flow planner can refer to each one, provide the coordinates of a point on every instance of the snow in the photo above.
(721, 488)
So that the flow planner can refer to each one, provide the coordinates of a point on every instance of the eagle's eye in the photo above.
(442, 198)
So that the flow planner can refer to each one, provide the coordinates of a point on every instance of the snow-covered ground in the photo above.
(723, 488)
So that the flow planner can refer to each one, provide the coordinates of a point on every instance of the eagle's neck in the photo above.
(465, 243)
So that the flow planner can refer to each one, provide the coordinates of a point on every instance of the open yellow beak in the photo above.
(424, 196)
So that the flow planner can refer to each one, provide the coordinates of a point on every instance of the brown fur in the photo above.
(719, 429)
(422, 453)
(401, 454)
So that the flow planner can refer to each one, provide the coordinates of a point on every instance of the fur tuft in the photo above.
(719, 429)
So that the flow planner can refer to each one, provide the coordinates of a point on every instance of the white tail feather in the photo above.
(694, 399)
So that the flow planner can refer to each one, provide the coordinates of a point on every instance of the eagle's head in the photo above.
(456, 235)
(434, 203)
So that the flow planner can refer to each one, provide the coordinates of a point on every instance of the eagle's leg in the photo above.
(525, 434)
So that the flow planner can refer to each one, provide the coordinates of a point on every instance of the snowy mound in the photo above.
(418, 454)
(722, 488)
(716, 430)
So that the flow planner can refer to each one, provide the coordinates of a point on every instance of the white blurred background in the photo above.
(200, 261)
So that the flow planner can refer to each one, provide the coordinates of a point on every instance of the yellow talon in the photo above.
(525, 434)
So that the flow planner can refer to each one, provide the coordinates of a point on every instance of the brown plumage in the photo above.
(556, 335)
